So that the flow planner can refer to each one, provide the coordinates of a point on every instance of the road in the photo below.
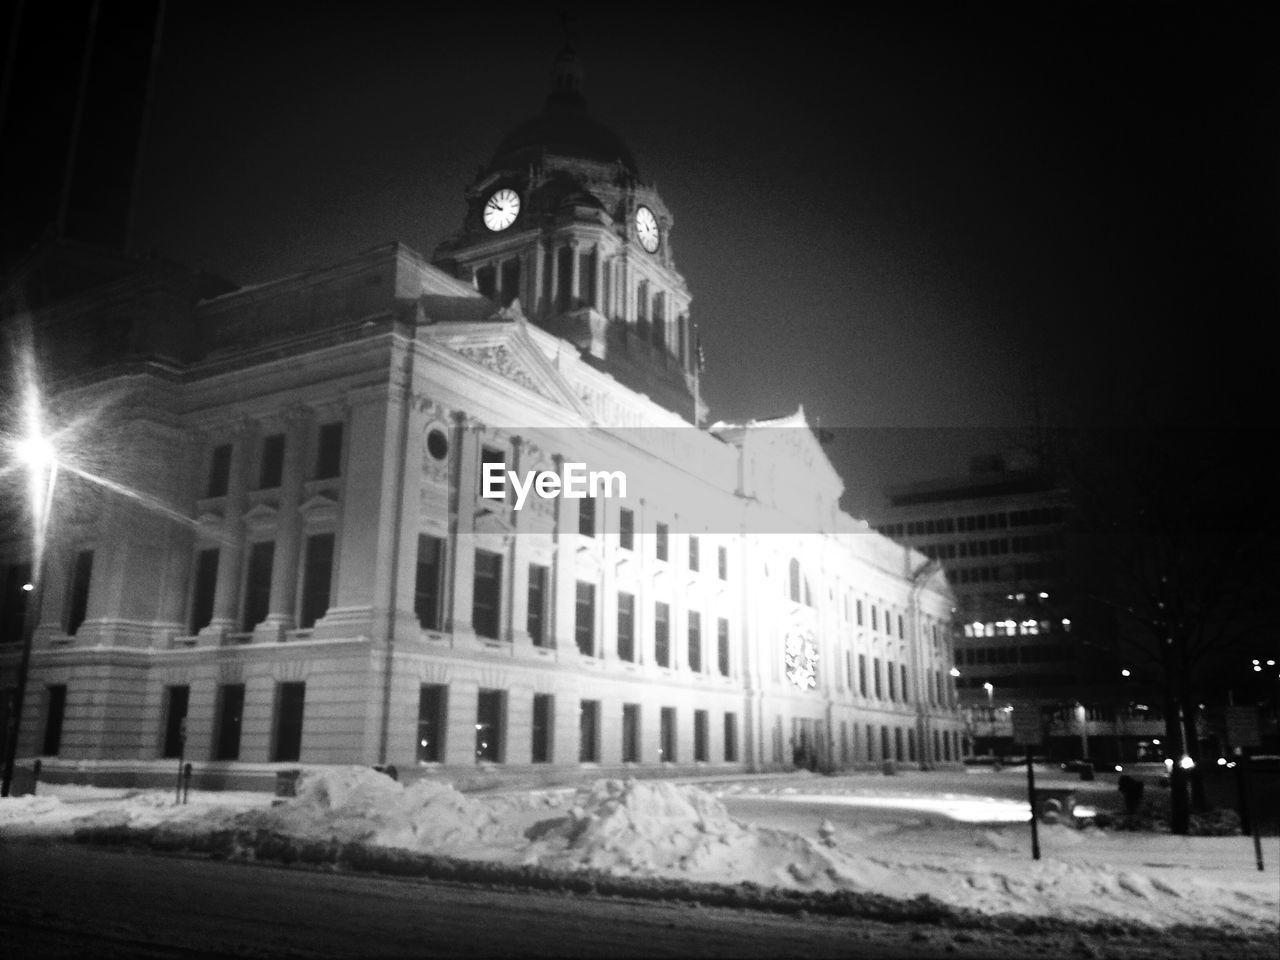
(70, 901)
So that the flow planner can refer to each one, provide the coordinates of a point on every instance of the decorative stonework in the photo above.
(500, 360)
(801, 656)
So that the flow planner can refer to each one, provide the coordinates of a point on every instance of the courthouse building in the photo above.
(295, 562)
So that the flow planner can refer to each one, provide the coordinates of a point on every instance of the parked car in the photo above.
(1078, 766)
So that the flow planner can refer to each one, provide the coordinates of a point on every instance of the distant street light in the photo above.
(991, 695)
(1125, 672)
(955, 671)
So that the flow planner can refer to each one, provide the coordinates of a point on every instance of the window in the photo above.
(626, 627)
(660, 542)
(510, 281)
(486, 598)
(859, 608)
(205, 588)
(695, 641)
(175, 715)
(257, 589)
(875, 618)
(626, 529)
(730, 738)
(589, 731)
(219, 471)
(316, 578)
(722, 562)
(329, 452)
(661, 635)
(584, 623)
(81, 574)
(587, 516)
(901, 633)
(55, 711)
(230, 713)
(543, 714)
(485, 279)
(906, 697)
(667, 735)
(432, 698)
(701, 734)
(722, 645)
(631, 733)
(862, 674)
(693, 554)
(536, 616)
(290, 698)
(893, 681)
(875, 671)
(271, 466)
(489, 726)
(495, 456)
(426, 584)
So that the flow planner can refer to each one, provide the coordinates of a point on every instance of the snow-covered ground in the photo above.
(903, 841)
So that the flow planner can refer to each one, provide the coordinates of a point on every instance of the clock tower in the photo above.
(560, 220)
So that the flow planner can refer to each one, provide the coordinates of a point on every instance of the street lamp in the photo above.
(991, 694)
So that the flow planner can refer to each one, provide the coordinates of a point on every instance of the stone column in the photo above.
(284, 572)
(575, 282)
(463, 565)
(226, 597)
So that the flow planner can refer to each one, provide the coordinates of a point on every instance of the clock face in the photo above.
(647, 229)
(501, 209)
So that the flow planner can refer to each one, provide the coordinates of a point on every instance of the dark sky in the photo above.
(924, 225)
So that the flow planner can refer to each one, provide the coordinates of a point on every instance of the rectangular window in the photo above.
(661, 634)
(271, 466)
(695, 641)
(230, 714)
(626, 529)
(893, 681)
(543, 716)
(510, 281)
(589, 731)
(536, 616)
(660, 544)
(329, 451)
(722, 645)
(205, 588)
(290, 699)
(722, 562)
(175, 716)
(906, 697)
(667, 735)
(875, 618)
(701, 734)
(564, 264)
(432, 700)
(81, 575)
(587, 516)
(219, 471)
(862, 674)
(489, 726)
(486, 600)
(14, 615)
(859, 606)
(730, 738)
(317, 576)
(875, 672)
(257, 588)
(55, 711)
(584, 622)
(426, 584)
(495, 456)
(587, 277)
(693, 553)
(901, 632)
(486, 277)
(626, 627)
(631, 733)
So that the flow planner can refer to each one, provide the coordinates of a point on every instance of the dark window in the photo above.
(290, 698)
(426, 584)
(661, 634)
(875, 672)
(893, 681)
(906, 697)
(660, 542)
(176, 700)
(437, 444)
(536, 616)
(257, 589)
(219, 471)
(862, 674)
(56, 708)
(230, 714)
(510, 281)
(642, 310)
(81, 575)
(722, 645)
(14, 602)
(485, 279)
(489, 726)
(587, 516)
(626, 627)
(875, 618)
(486, 598)
(271, 468)
(859, 606)
(667, 735)
(584, 623)
(564, 263)
(730, 738)
(631, 733)
(543, 715)
(587, 277)
(316, 578)
(722, 562)
(494, 456)
(695, 641)
(626, 529)
(701, 734)
(206, 585)
(329, 452)
(693, 553)
(901, 633)
(432, 699)
(589, 732)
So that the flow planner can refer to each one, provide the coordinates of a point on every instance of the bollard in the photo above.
(186, 786)
(35, 775)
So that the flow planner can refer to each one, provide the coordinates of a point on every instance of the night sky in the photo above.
(926, 226)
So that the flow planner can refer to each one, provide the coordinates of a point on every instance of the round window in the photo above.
(437, 444)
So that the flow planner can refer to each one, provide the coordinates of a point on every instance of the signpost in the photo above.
(1243, 733)
(1026, 731)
